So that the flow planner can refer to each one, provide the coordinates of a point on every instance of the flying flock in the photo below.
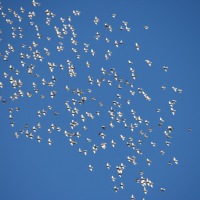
(37, 52)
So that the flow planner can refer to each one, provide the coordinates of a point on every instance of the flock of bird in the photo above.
(37, 60)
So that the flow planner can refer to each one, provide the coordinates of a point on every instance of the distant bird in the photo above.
(108, 166)
(167, 143)
(148, 62)
(39, 140)
(103, 145)
(148, 162)
(175, 160)
(72, 142)
(189, 129)
(113, 15)
(89, 140)
(146, 27)
(91, 168)
(165, 68)
(122, 185)
(162, 152)
(137, 46)
(49, 141)
(90, 90)
(113, 143)
(113, 178)
(132, 197)
(162, 189)
(163, 87)
(116, 188)
(16, 135)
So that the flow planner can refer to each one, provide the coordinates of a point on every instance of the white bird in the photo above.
(189, 129)
(132, 197)
(103, 135)
(163, 87)
(162, 152)
(122, 185)
(16, 135)
(49, 141)
(165, 68)
(108, 166)
(179, 90)
(31, 135)
(174, 88)
(113, 178)
(145, 190)
(96, 20)
(113, 143)
(114, 15)
(89, 140)
(82, 118)
(91, 168)
(122, 137)
(103, 145)
(119, 171)
(116, 43)
(137, 46)
(162, 189)
(170, 128)
(95, 148)
(167, 143)
(130, 62)
(162, 120)
(72, 142)
(149, 162)
(148, 62)
(116, 188)
(146, 27)
(175, 160)
(107, 40)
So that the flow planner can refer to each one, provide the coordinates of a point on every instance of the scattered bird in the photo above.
(82, 103)
(175, 160)
(165, 68)
(189, 129)
(122, 185)
(116, 188)
(113, 178)
(162, 189)
(148, 62)
(108, 166)
(137, 46)
(91, 168)
(146, 27)
(39, 140)
(49, 141)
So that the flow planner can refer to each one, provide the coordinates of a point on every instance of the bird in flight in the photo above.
(82, 92)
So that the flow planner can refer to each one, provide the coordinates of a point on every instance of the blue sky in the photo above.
(34, 171)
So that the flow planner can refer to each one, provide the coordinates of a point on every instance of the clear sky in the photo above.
(32, 170)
